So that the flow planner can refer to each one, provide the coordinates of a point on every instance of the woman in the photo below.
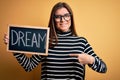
(68, 53)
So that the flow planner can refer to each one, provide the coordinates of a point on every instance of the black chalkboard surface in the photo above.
(28, 39)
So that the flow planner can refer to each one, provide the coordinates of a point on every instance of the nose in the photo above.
(62, 19)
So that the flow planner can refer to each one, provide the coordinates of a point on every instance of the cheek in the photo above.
(57, 25)
(69, 24)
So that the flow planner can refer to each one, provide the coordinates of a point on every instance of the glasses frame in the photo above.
(66, 17)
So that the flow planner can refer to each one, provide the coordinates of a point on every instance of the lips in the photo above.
(63, 25)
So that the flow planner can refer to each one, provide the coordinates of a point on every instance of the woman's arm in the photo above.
(28, 63)
(98, 65)
(89, 57)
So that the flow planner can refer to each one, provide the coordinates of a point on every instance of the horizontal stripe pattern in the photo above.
(58, 65)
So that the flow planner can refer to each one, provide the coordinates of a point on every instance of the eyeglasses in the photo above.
(66, 17)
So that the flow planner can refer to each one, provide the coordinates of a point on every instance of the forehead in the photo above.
(61, 11)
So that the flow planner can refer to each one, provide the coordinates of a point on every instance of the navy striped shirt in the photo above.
(58, 65)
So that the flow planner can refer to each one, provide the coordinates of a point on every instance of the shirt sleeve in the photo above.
(28, 63)
(98, 64)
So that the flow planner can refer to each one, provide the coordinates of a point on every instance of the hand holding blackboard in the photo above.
(28, 39)
(6, 39)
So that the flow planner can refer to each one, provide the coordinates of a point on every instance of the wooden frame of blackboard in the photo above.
(30, 27)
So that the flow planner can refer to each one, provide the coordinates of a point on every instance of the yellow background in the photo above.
(97, 20)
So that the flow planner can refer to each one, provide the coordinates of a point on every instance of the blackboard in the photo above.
(28, 39)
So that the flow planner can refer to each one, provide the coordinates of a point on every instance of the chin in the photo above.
(64, 30)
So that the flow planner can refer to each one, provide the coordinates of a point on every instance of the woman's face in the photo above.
(62, 19)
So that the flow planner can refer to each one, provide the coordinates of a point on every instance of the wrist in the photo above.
(92, 59)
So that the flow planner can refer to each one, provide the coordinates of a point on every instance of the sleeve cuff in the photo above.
(92, 65)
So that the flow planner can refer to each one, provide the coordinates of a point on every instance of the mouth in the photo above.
(63, 25)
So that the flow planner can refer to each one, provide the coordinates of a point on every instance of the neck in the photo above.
(65, 33)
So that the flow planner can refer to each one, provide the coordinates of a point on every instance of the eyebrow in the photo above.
(60, 14)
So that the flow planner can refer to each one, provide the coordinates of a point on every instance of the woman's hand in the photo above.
(6, 39)
(84, 58)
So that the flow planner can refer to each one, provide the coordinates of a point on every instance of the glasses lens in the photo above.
(65, 16)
